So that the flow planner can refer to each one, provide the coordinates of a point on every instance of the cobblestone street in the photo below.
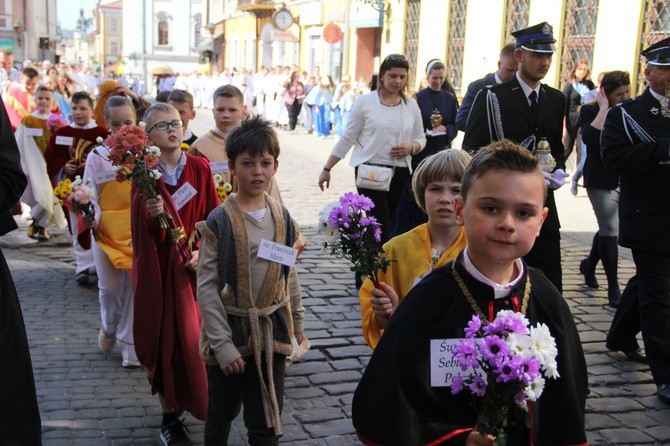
(87, 398)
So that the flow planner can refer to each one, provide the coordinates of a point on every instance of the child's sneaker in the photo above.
(175, 433)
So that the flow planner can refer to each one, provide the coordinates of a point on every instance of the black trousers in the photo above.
(546, 256)
(653, 304)
(626, 322)
(293, 112)
(228, 393)
(386, 203)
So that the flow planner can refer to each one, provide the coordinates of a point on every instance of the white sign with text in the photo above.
(443, 366)
(183, 195)
(275, 252)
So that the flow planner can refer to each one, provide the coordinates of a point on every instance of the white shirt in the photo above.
(526, 89)
(499, 290)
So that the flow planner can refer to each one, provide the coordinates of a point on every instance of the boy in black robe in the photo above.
(502, 209)
(19, 416)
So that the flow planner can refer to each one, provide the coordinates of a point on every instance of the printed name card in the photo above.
(219, 167)
(275, 252)
(64, 140)
(183, 195)
(443, 367)
(34, 131)
(105, 177)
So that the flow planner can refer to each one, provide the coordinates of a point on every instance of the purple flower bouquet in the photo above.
(354, 235)
(506, 363)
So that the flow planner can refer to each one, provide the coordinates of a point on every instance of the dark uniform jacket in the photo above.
(595, 174)
(502, 111)
(635, 142)
(466, 105)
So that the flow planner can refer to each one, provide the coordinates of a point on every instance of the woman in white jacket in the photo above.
(385, 128)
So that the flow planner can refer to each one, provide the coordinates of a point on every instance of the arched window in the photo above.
(163, 32)
(516, 17)
(656, 26)
(456, 42)
(579, 34)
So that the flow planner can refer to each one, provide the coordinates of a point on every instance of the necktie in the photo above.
(533, 102)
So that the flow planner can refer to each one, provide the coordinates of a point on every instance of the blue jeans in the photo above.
(579, 170)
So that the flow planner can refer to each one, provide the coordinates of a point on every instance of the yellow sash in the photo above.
(114, 228)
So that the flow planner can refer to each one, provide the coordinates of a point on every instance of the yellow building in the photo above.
(466, 34)
(108, 35)
(608, 34)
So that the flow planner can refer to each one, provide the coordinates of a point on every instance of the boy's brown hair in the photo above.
(82, 96)
(155, 108)
(30, 73)
(447, 164)
(228, 91)
(181, 97)
(254, 136)
(503, 155)
(43, 87)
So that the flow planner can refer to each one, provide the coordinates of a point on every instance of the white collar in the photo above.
(39, 115)
(187, 134)
(660, 98)
(90, 125)
(499, 290)
(526, 88)
(223, 135)
(497, 78)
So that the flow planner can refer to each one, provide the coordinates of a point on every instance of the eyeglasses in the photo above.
(164, 125)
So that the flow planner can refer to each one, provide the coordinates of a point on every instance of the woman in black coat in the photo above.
(602, 186)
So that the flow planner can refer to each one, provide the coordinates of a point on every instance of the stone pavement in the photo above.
(86, 398)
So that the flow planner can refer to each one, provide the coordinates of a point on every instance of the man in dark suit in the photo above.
(526, 111)
(507, 66)
(19, 416)
(635, 143)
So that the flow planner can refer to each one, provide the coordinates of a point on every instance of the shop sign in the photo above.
(283, 36)
(332, 33)
(363, 15)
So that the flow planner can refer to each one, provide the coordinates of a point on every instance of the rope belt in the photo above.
(261, 339)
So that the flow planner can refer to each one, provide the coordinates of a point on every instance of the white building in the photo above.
(159, 35)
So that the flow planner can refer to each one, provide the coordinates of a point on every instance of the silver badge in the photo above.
(654, 111)
(546, 29)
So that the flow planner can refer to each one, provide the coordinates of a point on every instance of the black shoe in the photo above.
(82, 277)
(175, 433)
(589, 279)
(614, 297)
(663, 392)
(634, 355)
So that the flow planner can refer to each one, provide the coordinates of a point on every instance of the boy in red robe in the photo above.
(66, 158)
(167, 318)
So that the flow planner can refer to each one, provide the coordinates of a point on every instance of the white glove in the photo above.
(555, 179)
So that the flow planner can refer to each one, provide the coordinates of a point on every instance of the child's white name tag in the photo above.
(183, 195)
(443, 367)
(64, 140)
(105, 177)
(34, 132)
(219, 167)
(275, 252)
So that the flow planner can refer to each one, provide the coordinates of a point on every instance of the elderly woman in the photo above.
(385, 128)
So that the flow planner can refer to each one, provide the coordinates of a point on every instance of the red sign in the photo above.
(332, 33)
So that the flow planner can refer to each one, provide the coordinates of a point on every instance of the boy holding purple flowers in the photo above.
(397, 402)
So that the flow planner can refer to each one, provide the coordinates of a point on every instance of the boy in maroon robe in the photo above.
(66, 158)
(167, 318)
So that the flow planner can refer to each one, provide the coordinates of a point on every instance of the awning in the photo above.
(207, 44)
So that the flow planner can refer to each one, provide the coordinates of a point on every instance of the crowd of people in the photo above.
(475, 226)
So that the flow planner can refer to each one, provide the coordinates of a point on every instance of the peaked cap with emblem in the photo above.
(537, 38)
(658, 53)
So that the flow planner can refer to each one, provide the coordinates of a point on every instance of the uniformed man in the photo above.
(524, 110)
(635, 144)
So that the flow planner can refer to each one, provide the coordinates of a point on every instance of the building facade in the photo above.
(161, 36)
(608, 34)
(28, 28)
(108, 37)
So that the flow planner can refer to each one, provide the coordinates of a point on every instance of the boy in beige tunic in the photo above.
(249, 297)
(228, 112)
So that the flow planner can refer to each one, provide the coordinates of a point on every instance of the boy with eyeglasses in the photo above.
(167, 318)
(66, 156)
